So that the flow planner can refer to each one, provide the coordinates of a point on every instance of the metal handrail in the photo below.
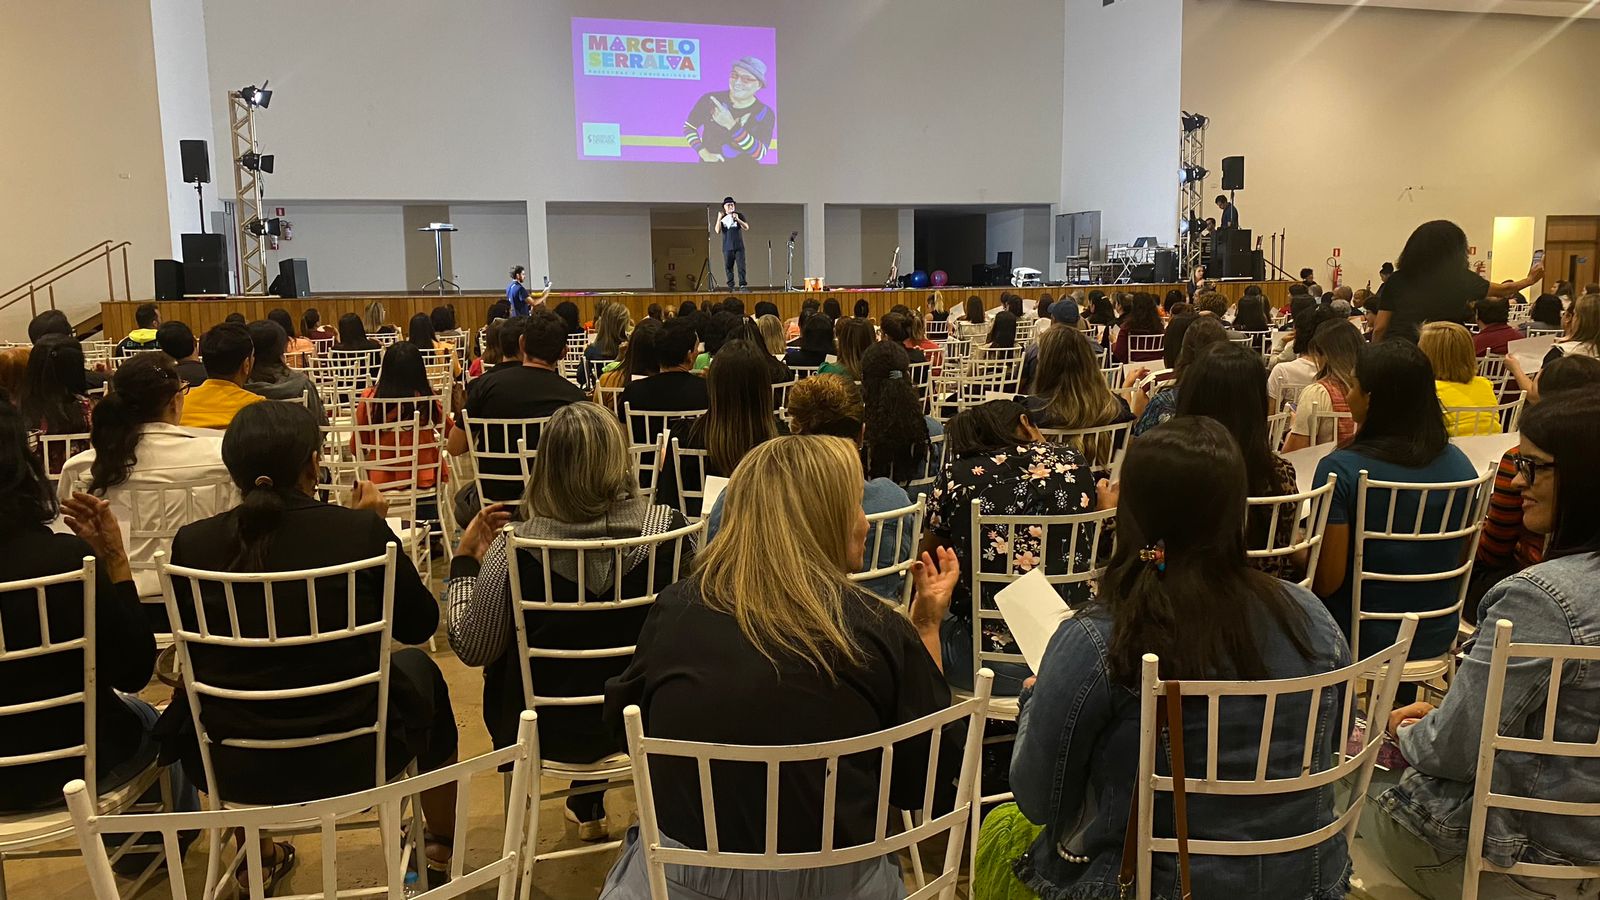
(47, 279)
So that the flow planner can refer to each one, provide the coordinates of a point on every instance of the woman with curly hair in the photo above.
(896, 444)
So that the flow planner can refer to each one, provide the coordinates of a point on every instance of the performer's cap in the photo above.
(754, 66)
(727, 199)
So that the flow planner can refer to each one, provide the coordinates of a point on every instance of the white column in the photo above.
(182, 92)
(538, 247)
(908, 240)
(812, 261)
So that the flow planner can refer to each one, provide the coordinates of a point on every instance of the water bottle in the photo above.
(413, 887)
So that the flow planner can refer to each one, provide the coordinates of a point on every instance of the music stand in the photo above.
(438, 229)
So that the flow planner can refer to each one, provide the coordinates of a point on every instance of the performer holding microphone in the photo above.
(732, 226)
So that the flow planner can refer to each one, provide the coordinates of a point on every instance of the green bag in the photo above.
(1005, 836)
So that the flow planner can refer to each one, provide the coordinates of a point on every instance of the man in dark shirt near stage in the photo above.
(734, 126)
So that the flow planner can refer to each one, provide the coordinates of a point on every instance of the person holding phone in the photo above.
(735, 125)
(732, 225)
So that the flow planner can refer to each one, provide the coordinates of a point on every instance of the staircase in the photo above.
(40, 290)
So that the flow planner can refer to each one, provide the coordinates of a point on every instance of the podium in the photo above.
(439, 229)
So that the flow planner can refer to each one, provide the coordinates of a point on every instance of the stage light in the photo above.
(262, 227)
(1192, 174)
(1192, 225)
(1193, 121)
(257, 162)
(256, 96)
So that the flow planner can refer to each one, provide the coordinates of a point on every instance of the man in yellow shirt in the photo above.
(229, 355)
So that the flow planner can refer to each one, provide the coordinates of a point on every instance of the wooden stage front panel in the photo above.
(472, 309)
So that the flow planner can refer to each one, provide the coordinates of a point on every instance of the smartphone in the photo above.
(1538, 258)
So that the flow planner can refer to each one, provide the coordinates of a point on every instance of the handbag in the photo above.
(1170, 705)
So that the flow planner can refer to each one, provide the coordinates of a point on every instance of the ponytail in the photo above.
(266, 448)
(140, 391)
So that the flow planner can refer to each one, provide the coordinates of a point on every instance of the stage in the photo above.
(200, 313)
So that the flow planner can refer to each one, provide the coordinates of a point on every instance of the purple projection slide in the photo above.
(675, 92)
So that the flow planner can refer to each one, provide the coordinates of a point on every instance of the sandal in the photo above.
(438, 869)
(273, 873)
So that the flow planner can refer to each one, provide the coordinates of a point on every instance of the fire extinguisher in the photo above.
(1338, 271)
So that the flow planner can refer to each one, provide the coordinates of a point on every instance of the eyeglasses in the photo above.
(1528, 467)
(743, 79)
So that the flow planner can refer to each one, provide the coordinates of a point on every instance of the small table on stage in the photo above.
(438, 229)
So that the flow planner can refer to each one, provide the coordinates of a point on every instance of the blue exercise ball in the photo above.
(919, 279)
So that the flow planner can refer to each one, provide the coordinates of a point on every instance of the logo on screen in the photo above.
(641, 56)
(602, 139)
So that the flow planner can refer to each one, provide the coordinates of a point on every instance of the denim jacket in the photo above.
(1551, 603)
(1076, 756)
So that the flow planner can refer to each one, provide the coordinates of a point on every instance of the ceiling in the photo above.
(1561, 9)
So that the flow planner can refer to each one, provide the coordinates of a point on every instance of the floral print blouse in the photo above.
(1041, 479)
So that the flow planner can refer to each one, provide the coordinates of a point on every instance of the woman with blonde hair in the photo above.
(374, 319)
(610, 334)
(1335, 348)
(1449, 350)
(1582, 326)
(804, 657)
(772, 336)
(582, 487)
(854, 336)
(1069, 391)
(936, 311)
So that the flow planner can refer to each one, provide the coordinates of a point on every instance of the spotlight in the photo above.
(262, 227)
(1191, 121)
(256, 96)
(1192, 225)
(1186, 175)
(257, 162)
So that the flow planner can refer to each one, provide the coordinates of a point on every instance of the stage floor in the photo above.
(201, 313)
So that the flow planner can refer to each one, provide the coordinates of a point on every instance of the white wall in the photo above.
(182, 92)
(1119, 138)
(1340, 110)
(1024, 231)
(347, 246)
(865, 102)
(842, 225)
(599, 246)
(492, 239)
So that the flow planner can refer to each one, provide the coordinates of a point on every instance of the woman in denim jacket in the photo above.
(1420, 826)
(1178, 586)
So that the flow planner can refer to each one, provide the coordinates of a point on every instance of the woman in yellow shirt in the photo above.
(1448, 347)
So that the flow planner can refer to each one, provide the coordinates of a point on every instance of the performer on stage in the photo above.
(733, 125)
(732, 226)
(1222, 236)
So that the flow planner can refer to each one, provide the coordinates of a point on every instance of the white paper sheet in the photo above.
(1530, 351)
(714, 486)
(1032, 610)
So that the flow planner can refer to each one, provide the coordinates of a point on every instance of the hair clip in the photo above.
(1155, 555)
(264, 481)
(896, 374)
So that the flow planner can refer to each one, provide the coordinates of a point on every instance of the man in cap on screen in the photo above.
(733, 125)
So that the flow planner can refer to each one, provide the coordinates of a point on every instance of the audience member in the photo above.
(1250, 316)
(1289, 377)
(404, 376)
(568, 311)
(124, 649)
(610, 333)
(1493, 332)
(749, 332)
(422, 335)
(375, 319)
(1002, 333)
(146, 320)
(998, 457)
(297, 350)
(1582, 327)
(492, 354)
(897, 330)
(581, 487)
(177, 341)
(896, 441)
(271, 378)
(1400, 436)
(713, 332)
(1433, 282)
(807, 657)
(1546, 312)
(353, 335)
(229, 356)
(739, 415)
(1334, 350)
(1069, 390)
(676, 388)
(14, 360)
(1199, 334)
(816, 343)
(272, 452)
(1177, 585)
(1173, 298)
(830, 308)
(1215, 306)
(855, 336)
(311, 326)
(637, 360)
(772, 336)
(1448, 347)
(1142, 319)
(1416, 827)
(56, 399)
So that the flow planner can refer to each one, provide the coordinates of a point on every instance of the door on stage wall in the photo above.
(678, 248)
(1571, 250)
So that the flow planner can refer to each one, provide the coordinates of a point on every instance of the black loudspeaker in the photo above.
(169, 279)
(1258, 266)
(292, 280)
(1166, 267)
(1233, 173)
(205, 264)
(196, 161)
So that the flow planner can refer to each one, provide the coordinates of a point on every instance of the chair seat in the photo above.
(1005, 709)
(1421, 669)
(22, 830)
(614, 766)
(408, 536)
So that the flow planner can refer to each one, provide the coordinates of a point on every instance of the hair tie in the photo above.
(264, 481)
(1155, 556)
(896, 374)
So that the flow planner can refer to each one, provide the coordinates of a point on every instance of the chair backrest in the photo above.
(800, 760)
(400, 456)
(1492, 741)
(936, 329)
(803, 372)
(689, 468)
(956, 349)
(1148, 346)
(1260, 341)
(33, 611)
(1326, 424)
(497, 452)
(324, 817)
(780, 393)
(55, 449)
(1493, 367)
(1538, 330)
(609, 396)
(1103, 446)
(923, 480)
(645, 425)
(1307, 513)
(1446, 511)
(660, 556)
(1278, 425)
(386, 338)
(1317, 763)
(152, 511)
(1074, 550)
(900, 532)
(648, 460)
(1501, 418)
(239, 611)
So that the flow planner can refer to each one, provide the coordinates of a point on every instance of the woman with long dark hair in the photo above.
(816, 343)
(751, 333)
(637, 359)
(353, 334)
(739, 415)
(271, 377)
(55, 399)
(1250, 314)
(273, 453)
(1198, 334)
(855, 336)
(1226, 383)
(1400, 436)
(1335, 349)
(1142, 319)
(1546, 312)
(297, 350)
(403, 376)
(1415, 827)
(1003, 331)
(1433, 282)
(568, 311)
(1177, 585)
(830, 308)
(895, 444)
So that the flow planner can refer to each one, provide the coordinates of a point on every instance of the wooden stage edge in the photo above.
(201, 313)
